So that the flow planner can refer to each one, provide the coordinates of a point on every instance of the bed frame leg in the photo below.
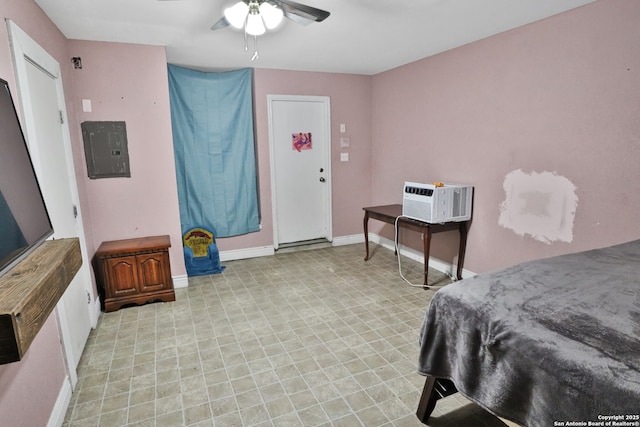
(428, 400)
(434, 389)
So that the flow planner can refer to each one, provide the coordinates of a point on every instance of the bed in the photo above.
(552, 340)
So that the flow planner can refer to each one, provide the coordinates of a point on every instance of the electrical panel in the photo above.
(105, 149)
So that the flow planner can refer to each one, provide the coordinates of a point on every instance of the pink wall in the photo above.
(561, 95)
(29, 388)
(127, 82)
(350, 99)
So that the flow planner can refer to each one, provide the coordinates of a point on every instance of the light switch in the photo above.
(344, 157)
(343, 128)
(345, 142)
(86, 105)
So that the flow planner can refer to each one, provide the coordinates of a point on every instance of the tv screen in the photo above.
(24, 221)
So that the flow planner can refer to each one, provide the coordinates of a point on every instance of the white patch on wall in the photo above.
(542, 205)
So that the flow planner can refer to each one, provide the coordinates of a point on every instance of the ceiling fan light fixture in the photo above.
(237, 14)
(272, 15)
(255, 17)
(255, 25)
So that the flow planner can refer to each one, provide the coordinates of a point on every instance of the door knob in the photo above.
(322, 179)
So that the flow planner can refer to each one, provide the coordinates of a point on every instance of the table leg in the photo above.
(366, 234)
(426, 238)
(462, 249)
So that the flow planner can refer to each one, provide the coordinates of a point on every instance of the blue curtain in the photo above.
(212, 121)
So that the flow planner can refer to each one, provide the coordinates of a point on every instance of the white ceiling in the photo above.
(360, 37)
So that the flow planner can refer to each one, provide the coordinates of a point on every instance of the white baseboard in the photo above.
(181, 281)
(435, 263)
(269, 250)
(261, 251)
(348, 240)
(62, 404)
(246, 253)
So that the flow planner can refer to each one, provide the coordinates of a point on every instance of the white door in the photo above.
(46, 131)
(300, 145)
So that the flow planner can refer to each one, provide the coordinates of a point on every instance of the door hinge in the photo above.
(61, 118)
(75, 211)
(88, 298)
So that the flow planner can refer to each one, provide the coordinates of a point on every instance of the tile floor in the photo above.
(304, 338)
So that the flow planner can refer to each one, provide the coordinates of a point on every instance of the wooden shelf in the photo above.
(30, 291)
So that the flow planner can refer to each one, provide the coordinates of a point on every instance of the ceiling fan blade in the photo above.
(301, 13)
(222, 23)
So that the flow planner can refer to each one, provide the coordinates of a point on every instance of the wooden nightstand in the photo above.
(134, 271)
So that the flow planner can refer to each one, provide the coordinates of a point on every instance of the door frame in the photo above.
(325, 100)
(24, 49)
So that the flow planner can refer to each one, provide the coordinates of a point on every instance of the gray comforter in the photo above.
(549, 340)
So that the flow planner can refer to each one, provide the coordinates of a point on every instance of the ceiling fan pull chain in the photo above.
(255, 47)
(246, 43)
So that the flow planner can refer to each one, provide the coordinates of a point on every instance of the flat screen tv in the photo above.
(24, 220)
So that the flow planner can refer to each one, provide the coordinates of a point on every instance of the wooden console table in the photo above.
(389, 213)
(134, 271)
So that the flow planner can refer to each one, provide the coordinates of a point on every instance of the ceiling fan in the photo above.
(256, 16)
(270, 11)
